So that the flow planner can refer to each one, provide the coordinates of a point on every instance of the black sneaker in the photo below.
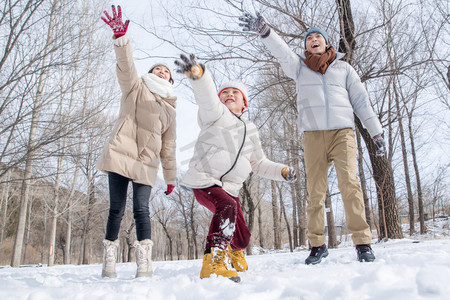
(316, 255)
(365, 253)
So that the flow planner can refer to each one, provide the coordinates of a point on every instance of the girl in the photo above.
(227, 150)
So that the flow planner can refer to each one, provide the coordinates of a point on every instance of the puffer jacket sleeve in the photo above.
(125, 68)
(261, 165)
(168, 154)
(290, 62)
(205, 93)
(362, 107)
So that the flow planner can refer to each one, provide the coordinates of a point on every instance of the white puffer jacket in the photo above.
(325, 102)
(228, 147)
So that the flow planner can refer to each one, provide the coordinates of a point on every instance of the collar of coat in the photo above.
(339, 55)
(160, 87)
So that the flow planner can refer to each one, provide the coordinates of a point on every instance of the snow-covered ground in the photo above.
(411, 268)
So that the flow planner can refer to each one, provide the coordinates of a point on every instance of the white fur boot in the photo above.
(143, 250)
(110, 249)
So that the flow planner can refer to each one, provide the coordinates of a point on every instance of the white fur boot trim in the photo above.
(110, 250)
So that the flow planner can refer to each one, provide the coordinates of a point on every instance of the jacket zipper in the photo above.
(239, 152)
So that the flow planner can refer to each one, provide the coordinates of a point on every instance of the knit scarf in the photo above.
(320, 62)
(158, 85)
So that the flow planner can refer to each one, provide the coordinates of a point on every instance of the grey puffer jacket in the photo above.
(228, 147)
(325, 102)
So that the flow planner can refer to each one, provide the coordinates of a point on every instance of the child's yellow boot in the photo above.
(214, 263)
(237, 258)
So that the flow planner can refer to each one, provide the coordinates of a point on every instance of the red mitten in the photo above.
(170, 188)
(119, 28)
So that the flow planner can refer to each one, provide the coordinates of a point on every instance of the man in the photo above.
(329, 91)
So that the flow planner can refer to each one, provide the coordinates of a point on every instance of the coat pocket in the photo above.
(150, 148)
(114, 139)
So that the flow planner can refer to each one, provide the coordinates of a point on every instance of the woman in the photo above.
(143, 137)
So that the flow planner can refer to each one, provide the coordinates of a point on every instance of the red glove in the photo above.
(170, 188)
(119, 28)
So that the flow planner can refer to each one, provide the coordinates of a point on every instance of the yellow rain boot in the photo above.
(214, 263)
(237, 258)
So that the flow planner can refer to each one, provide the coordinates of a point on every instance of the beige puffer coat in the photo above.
(144, 133)
(228, 147)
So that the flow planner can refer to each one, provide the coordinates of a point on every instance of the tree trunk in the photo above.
(275, 216)
(292, 156)
(260, 226)
(384, 180)
(288, 226)
(24, 195)
(362, 179)
(192, 224)
(275, 211)
(405, 162)
(128, 242)
(332, 240)
(4, 204)
(301, 204)
(382, 170)
(247, 198)
(423, 228)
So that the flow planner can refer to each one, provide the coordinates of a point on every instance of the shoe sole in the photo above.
(366, 260)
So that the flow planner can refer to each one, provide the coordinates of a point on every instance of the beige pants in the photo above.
(320, 149)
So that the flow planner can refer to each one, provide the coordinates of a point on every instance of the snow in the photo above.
(411, 268)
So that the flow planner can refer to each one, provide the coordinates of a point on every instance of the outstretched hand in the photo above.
(381, 145)
(117, 25)
(289, 174)
(255, 24)
(189, 66)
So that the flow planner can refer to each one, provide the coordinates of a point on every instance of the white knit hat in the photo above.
(165, 65)
(237, 84)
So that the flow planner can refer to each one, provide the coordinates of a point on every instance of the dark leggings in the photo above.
(118, 186)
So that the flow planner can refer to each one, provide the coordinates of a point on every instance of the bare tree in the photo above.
(164, 213)
(15, 260)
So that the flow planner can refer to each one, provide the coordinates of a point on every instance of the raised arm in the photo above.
(290, 62)
(125, 68)
(205, 93)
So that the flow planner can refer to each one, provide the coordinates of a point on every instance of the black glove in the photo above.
(379, 141)
(255, 24)
(189, 66)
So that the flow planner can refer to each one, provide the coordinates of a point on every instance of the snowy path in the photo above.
(404, 269)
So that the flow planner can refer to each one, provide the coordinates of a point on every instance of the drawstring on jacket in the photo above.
(240, 148)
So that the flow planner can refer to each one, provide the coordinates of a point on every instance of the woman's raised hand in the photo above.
(117, 25)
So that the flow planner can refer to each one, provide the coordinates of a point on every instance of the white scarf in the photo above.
(158, 85)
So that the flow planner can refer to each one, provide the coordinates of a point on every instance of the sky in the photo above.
(411, 268)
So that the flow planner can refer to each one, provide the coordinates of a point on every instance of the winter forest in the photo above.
(59, 98)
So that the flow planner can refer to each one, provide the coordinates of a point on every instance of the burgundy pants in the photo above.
(227, 224)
